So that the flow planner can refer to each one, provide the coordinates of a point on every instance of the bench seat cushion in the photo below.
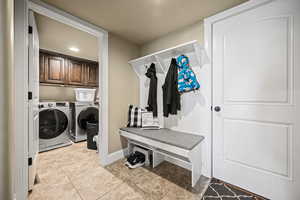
(175, 138)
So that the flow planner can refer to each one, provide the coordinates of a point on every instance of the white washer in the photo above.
(81, 113)
(54, 124)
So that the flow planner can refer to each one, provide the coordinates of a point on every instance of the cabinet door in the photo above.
(54, 68)
(92, 74)
(76, 72)
(42, 67)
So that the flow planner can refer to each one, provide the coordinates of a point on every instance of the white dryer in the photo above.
(81, 113)
(53, 125)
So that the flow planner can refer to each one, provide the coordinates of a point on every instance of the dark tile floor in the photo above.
(218, 190)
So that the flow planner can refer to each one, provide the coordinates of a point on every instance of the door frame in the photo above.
(19, 143)
(208, 43)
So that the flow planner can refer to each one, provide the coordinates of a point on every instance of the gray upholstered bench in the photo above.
(181, 146)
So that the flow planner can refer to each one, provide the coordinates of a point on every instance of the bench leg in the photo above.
(157, 159)
(196, 164)
(130, 147)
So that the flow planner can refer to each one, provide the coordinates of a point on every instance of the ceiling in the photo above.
(59, 37)
(141, 21)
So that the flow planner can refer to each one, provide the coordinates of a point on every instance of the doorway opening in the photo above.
(48, 124)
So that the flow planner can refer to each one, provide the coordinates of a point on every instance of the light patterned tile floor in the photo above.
(73, 173)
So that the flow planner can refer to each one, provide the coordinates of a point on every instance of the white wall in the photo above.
(195, 115)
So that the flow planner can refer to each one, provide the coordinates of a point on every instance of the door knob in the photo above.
(217, 108)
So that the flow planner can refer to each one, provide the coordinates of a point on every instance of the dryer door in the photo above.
(90, 114)
(53, 123)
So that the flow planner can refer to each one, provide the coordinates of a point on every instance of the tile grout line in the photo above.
(73, 184)
(81, 197)
(146, 192)
(129, 181)
(109, 191)
(56, 161)
(141, 189)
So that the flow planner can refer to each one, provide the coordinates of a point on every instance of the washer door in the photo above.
(90, 114)
(53, 123)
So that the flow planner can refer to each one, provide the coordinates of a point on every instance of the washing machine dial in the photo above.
(50, 105)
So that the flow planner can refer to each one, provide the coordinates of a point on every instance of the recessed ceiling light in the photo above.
(75, 49)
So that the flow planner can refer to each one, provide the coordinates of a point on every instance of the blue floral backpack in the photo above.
(187, 80)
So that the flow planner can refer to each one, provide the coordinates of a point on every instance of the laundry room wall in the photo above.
(58, 93)
(6, 63)
(123, 87)
(195, 107)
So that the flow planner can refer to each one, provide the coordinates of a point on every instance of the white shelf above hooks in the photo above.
(161, 59)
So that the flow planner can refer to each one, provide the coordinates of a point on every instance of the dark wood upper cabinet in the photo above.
(42, 68)
(61, 69)
(91, 78)
(54, 69)
(76, 72)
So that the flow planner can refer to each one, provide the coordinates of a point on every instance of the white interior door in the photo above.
(33, 86)
(256, 84)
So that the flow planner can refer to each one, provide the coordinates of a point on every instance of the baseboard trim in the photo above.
(115, 156)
